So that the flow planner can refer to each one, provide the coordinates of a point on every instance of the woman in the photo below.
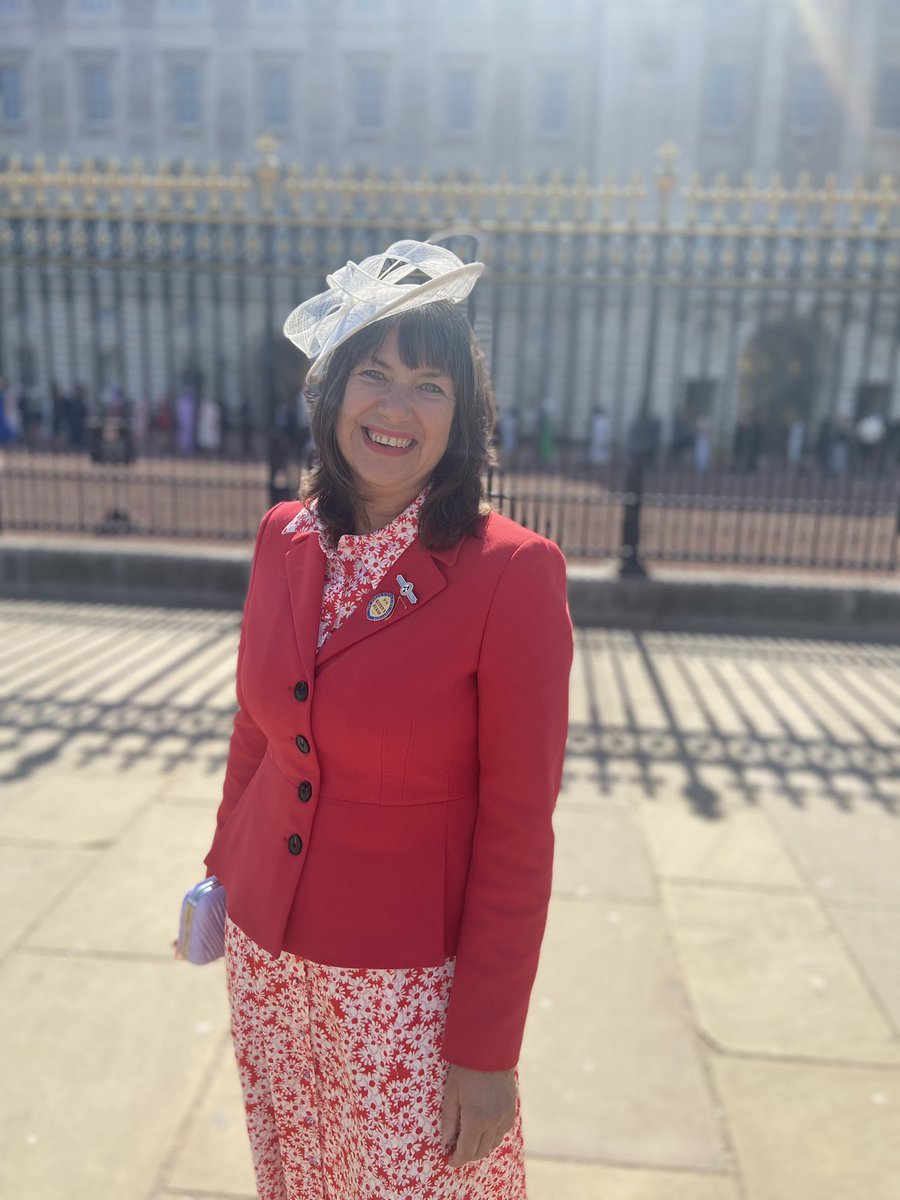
(384, 836)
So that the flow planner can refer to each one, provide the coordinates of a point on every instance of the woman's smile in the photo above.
(396, 443)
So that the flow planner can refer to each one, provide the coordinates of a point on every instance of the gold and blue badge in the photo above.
(381, 606)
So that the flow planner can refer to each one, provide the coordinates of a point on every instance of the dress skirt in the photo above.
(343, 1079)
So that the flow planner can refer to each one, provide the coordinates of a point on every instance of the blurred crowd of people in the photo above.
(189, 422)
(871, 443)
(182, 422)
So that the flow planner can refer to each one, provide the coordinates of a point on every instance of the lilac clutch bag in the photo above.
(201, 933)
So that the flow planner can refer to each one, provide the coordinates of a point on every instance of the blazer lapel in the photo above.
(419, 568)
(304, 567)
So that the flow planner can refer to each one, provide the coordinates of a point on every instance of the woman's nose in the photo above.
(397, 398)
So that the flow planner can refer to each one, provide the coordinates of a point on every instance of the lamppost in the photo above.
(639, 439)
(267, 175)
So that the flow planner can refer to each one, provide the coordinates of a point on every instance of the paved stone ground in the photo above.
(717, 1015)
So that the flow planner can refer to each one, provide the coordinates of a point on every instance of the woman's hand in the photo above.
(478, 1111)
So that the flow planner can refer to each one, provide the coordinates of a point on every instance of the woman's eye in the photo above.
(433, 389)
(372, 373)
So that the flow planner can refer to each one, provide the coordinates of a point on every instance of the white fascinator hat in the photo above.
(407, 275)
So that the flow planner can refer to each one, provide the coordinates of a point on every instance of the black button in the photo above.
(301, 690)
(302, 743)
(295, 843)
(304, 791)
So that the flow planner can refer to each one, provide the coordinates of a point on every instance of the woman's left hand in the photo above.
(478, 1111)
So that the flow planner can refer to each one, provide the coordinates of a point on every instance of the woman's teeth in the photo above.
(381, 439)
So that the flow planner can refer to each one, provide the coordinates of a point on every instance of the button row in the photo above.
(304, 791)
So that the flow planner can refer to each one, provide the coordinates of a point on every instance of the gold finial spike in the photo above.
(319, 189)
(266, 144)
(268, 171)
(666, 178)
(803, 197)
(775, 196)
(212, 186)
(721, 194)
(65, 196)
(398, 193)
(887, 199)
(830, 197)
(693, 194)
(857, 201)
(748, 194)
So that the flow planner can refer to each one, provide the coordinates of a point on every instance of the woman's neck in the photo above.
(372, 515)
(369, 518)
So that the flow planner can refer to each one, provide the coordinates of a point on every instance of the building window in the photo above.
(722, 97)
(461, 101)
(368, 97)
(276, 97)
(95, 90)
(807, 97)
(10, 93)
(554, 110)
(887, 103)
(187, 109)
(888, 18)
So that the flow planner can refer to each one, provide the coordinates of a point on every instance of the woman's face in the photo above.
(393, 427)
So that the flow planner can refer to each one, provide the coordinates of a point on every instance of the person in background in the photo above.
(209, 426)
(384, 837)
(547, 433)
(796, 441)
(509, 437)
(703, 446)
(185, 421)
(599, 442)
(8, 428)
(870, 433)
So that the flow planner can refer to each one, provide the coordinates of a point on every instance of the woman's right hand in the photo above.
(478, 1111)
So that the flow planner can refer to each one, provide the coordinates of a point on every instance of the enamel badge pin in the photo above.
(380, 607)
(406, 590)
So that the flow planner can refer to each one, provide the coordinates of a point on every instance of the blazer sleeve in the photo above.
(523, 688)
(248, 742)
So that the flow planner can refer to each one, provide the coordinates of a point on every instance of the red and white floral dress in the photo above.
(341, 1067)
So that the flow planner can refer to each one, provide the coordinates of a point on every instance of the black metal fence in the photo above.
(777, 518)
(685, 370)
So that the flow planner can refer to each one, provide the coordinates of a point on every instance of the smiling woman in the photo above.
(393, 429)
(416, 379)
(384, 837)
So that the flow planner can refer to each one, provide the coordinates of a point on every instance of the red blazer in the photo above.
(387, 802)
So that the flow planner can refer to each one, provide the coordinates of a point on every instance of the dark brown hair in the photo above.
(436, 336)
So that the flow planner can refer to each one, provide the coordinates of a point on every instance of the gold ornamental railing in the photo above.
(290, 195)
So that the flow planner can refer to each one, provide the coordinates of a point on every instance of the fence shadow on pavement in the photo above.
(116, 686)
(729, 714)
(124, 686)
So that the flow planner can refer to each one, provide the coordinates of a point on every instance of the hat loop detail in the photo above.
(361, 293)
